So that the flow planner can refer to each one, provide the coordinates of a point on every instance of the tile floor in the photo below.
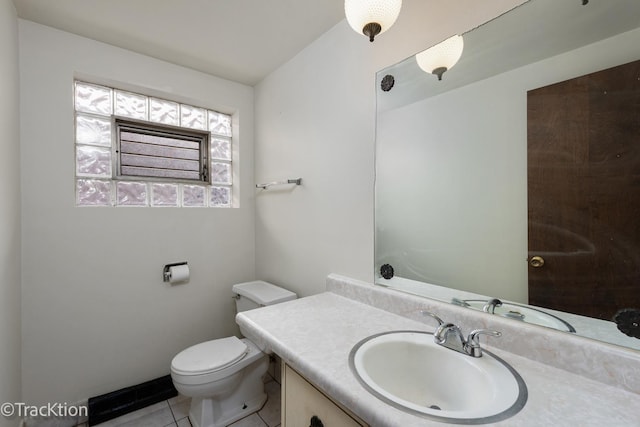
(174, 412)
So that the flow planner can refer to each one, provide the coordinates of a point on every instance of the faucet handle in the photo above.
(428, 313)
(473, 341)
(490, 306)
(460, 302)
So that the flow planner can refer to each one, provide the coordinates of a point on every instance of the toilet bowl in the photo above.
(224, 377)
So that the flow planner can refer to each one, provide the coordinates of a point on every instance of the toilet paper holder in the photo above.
(166, 271)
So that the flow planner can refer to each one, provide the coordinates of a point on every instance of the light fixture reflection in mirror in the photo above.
(441, 57)
(371, 17)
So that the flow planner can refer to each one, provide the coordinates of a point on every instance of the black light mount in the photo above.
(371, 30)
(439, 72)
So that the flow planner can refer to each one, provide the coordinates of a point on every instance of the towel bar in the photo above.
(266, 185)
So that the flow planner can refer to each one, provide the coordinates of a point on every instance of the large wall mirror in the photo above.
(512, 185)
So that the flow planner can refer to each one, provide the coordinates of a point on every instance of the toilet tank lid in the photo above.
(263, 293)
(209, 356)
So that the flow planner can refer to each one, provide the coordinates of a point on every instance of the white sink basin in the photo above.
(408, 370)
(524, 313)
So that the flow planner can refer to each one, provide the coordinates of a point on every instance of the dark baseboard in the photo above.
(117, 403)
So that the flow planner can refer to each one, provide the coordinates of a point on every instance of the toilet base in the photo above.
(238, 399)
(201, 413)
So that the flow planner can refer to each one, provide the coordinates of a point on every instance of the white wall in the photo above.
(10, 388)
(96, 315)
(315, 119)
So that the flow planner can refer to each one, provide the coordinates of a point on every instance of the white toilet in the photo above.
(224, 377)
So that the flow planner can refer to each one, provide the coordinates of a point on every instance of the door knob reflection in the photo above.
(536, 261)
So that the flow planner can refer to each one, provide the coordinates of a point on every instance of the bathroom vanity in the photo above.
(570, 380)
(303, 403)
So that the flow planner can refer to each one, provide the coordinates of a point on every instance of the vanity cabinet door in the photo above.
(305, 406)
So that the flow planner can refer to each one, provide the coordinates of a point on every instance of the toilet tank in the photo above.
(259, 293)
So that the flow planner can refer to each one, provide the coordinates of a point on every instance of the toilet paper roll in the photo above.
(179, 273)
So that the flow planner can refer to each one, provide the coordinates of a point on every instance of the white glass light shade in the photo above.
(359, 13)
(441, 57)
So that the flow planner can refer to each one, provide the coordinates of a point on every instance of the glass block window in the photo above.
(164, 195)
(136, 150)
(193, 196)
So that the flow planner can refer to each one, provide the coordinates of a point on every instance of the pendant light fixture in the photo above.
(441, 57)
(371, 17)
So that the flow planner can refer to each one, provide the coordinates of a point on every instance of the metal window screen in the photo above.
(160, 152)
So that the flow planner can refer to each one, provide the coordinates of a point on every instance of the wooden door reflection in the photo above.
(584, 193)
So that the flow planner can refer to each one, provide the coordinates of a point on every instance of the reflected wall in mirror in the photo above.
(452, 159)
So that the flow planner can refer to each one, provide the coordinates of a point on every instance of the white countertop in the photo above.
(314, 335)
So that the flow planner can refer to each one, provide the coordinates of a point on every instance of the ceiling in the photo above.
(239, 40)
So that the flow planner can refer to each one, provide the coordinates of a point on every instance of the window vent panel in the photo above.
(151, 152)
(160, 173)
(159, 163)
(135, 148)
(159, 139)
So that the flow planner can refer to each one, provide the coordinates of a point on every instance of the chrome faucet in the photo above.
(490, 306)
(450, 336)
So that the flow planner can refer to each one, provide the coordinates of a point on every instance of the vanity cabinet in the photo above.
(304, 405)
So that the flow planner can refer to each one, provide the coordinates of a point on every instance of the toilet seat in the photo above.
(209, 356)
